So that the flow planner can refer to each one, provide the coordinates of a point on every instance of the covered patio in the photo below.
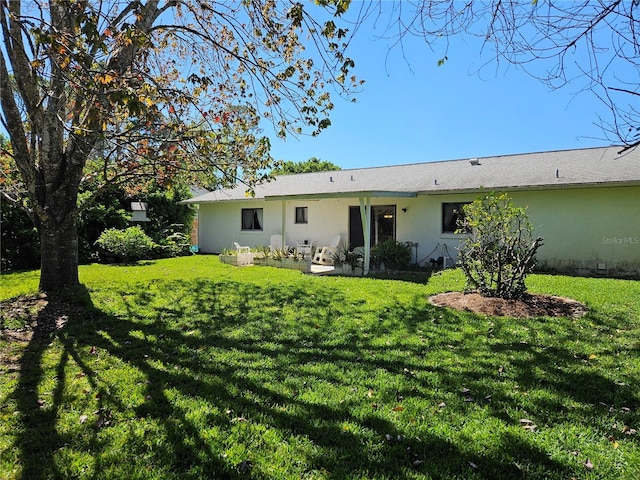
(364, 200)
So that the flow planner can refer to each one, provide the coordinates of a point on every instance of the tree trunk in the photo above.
(59, 254)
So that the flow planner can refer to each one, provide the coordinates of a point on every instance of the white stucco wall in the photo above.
(586, 230)
(219, 223)
(595, 230)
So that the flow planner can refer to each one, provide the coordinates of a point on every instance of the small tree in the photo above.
(499, 250)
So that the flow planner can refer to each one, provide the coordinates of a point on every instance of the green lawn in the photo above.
(188, 369)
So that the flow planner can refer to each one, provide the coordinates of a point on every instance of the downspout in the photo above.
(365, 216)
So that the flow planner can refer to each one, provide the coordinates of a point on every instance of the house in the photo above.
(585, 203)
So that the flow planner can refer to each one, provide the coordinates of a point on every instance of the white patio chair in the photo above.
(276, 244)
(241, 249)
(324, 255)
(304, 248)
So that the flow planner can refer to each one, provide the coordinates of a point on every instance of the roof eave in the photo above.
(358, 194)
(545, 186)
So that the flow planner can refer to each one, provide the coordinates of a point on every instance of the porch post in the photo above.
(284, 224)
(365, 216)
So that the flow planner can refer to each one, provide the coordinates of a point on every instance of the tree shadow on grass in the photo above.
(39, 439)
(221, 369)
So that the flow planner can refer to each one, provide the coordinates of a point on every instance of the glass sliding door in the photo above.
(383, 225)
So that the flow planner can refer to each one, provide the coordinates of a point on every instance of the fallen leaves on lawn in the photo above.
(527, 424)
(104, 417)
(391, 438)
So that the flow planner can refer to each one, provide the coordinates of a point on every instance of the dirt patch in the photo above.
(26, 319)
(531, 305)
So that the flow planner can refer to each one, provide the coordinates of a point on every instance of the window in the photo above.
(251, 219)
(302, 215)
(452, 214)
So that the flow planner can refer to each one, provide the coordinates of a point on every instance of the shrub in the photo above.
(499, 250)
(108, 209)
(19, 240)
(129, 245)
(175, 243)
(395, 255)
(165, 209)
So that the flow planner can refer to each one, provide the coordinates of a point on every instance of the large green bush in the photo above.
(393, 254)
(19, 240)
(174, 244)
(109, 209)
(129, 245)
(167, 216)
(499, 249)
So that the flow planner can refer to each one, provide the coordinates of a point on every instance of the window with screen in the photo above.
(452, 215)
(302, 215)
(251, 219)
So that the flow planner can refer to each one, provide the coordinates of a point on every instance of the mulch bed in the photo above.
(531, 305)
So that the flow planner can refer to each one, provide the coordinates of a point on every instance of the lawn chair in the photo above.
(324, 255)
(276, 245)
(241, 249)
(304, 248)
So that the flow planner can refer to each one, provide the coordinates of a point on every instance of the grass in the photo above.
(188, 369)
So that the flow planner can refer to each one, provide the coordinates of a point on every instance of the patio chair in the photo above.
(324, 255)
(304, 248)
(276, 244)
(241, 249)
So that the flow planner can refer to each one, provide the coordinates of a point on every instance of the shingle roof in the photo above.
(556, 169)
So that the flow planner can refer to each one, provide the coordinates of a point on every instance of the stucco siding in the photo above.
(220, 223)
(422, 223)
(591, 230)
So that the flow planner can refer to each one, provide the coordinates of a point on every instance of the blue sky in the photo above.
(412, 110)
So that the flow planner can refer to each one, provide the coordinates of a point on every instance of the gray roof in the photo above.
(604, 166)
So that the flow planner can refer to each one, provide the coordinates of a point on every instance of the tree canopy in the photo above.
(314, 164)
(125, 91)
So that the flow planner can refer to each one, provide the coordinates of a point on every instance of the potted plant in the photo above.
(347, 260)
(339, 256)
(354, 260)
(391, 254)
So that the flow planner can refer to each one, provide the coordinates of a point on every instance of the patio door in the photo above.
(383, 225)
